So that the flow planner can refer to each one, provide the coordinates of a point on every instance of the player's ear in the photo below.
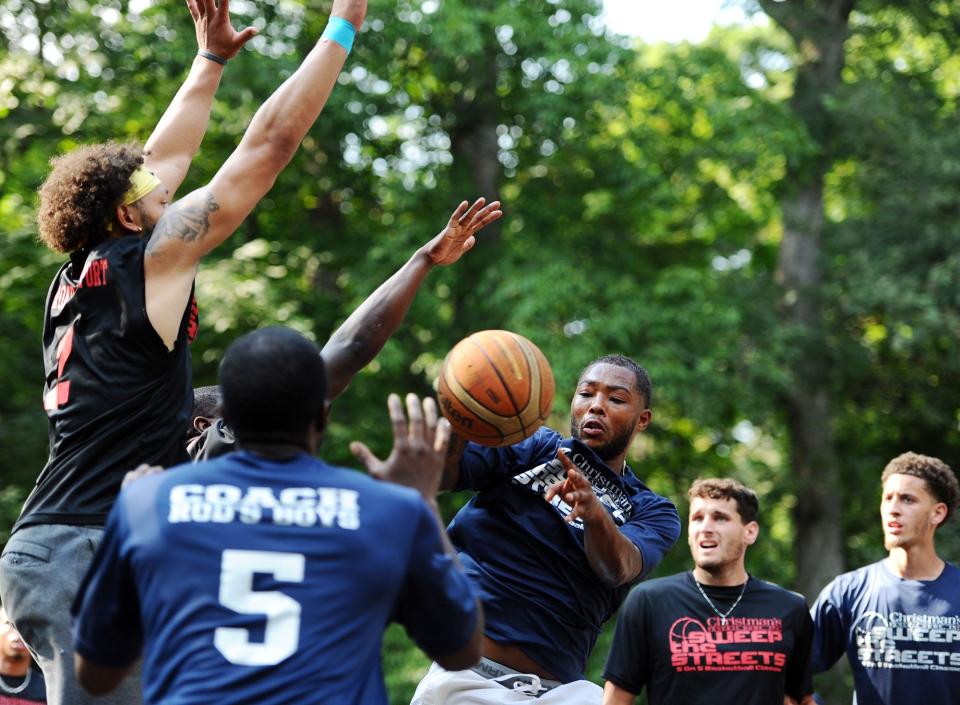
(643, 419)
(127, 219)
(939, 514)
(201, 423)
(750, 532)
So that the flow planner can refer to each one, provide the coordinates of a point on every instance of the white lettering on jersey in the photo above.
(325, 507)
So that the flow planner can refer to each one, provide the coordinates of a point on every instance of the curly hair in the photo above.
(79, 195)
(940, 480)
(748, 506)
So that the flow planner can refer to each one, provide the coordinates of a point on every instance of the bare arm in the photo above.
(615, 695)
(416, 461)
(355, 343)
(177, 136)
(200, 221)
(97, 679)
(613, 557)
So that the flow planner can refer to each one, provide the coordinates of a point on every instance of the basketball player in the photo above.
(558, 531)
(20, 683)
(898, 620)
(119, 317)
(715, 634)
(266, 575)
(358, 340)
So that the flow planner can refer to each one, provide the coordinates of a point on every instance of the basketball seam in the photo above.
(518, 412)
(477, 408)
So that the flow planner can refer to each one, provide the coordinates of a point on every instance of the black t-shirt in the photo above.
(35, 692)
(670, 640)
(114, 395)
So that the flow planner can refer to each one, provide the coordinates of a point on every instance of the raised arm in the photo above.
(355, 343)
(613, 557)
(203, 219)
(177, 136)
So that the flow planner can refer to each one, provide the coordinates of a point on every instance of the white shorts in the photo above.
(440, 687)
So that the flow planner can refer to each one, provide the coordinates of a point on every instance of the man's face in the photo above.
(716, 533)
(151, 207)
(909, 512)
(607, 410)
(12, 647)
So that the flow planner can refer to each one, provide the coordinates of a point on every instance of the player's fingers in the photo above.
(194, 10)
(468, 244)
(487, 219)
(565, 460)
(458, 213)
(442, 440)
(209, 8)
(364, 455)
(415, 412)
(552, 491)
(397, 420)
(468, 216)
(430, 417)
(223, 6)
(246, 35)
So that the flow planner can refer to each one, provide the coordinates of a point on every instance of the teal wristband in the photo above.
(340, 31)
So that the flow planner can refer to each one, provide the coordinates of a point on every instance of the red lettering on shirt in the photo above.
(94, 274)
(726, 645)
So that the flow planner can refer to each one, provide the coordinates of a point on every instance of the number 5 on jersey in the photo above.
(282, 633)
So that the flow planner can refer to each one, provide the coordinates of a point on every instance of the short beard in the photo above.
(616, 446)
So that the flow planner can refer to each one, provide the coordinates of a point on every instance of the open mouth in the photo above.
(592, 428)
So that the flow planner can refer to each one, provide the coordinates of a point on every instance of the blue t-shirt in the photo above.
(529, 565)
(248, 580)
(902, 637)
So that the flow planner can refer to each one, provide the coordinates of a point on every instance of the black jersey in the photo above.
(670, 640)
(114, 395)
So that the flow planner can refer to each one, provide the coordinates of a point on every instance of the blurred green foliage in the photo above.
(641, 189)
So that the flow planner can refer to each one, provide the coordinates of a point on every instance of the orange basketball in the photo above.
(495, 388)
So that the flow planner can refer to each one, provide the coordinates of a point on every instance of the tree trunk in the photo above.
(819, 33)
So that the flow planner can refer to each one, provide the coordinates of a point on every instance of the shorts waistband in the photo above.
(506, 676)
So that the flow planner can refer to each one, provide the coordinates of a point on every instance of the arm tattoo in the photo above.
(185, 221)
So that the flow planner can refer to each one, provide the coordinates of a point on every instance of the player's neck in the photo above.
(919, 562)
(13, 667)
(721, 576)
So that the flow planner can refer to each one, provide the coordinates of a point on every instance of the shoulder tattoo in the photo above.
(185, 221)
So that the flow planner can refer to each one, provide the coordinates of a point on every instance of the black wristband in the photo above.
(213, 57)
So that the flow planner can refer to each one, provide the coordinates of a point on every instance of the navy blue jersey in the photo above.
(529, 565)
(669, 640)
(246, 580)
(114, 395)
(902, 637)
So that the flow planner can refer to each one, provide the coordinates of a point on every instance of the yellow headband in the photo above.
(142, 182)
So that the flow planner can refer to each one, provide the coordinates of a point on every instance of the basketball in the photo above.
(495, 388)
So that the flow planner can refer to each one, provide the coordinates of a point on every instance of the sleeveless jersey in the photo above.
(114, 396)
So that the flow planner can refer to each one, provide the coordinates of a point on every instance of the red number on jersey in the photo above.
(60, 392)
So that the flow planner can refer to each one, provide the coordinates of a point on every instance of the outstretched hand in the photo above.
(420, 440)
(576, 491)
(215, 32)
(459, 235)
